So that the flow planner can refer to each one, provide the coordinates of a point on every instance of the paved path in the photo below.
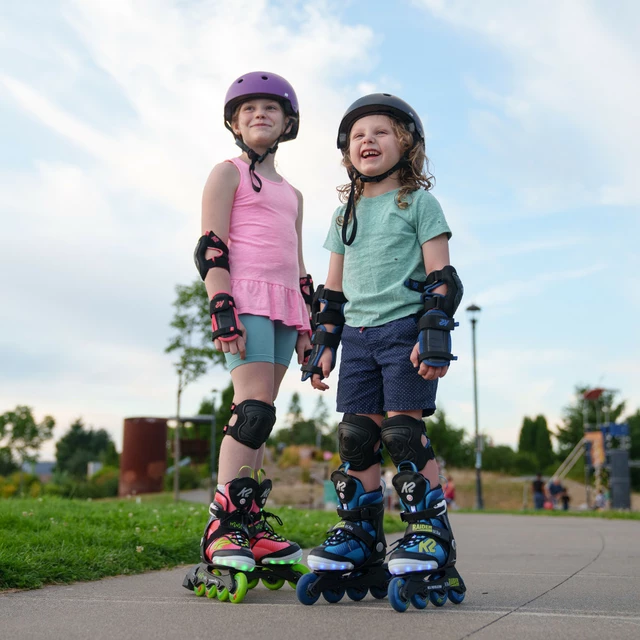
(527, 577)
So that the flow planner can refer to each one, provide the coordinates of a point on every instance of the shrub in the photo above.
(8, 490)
(104, 483)
(189, 479)
(290, 457)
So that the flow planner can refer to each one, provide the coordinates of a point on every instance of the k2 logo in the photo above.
(245, 493)
(341, 486)
(219, 304)
(443, 323)
(427, 546)
(408, 487)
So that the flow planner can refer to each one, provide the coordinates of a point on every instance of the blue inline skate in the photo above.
(424, 561)
(351, 559)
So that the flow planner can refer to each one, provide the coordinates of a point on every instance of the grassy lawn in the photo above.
(56, 541)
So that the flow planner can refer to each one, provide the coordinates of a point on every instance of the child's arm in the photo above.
(217, 202)
(327, 358)
(435, 253)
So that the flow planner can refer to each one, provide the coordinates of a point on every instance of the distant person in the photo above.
(539, 492)
(555, 490)
(600, 501)
(450, 493)
(565, 499)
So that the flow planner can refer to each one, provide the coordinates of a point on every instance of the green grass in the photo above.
(57, 541)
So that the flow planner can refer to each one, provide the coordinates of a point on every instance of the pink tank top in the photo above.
(263, 251)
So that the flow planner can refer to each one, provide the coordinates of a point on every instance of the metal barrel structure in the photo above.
(144, 456)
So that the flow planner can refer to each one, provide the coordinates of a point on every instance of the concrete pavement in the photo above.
(527, 578)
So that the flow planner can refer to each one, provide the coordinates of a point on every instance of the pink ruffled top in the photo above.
(263, 251)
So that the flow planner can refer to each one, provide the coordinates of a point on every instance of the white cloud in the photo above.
(567, 124)
(95, 242)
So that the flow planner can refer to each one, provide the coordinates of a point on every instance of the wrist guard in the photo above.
(224, 317)
(328, 307)
(437, 323)
(210, 241)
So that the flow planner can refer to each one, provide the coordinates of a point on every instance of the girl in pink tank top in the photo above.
(250, 258)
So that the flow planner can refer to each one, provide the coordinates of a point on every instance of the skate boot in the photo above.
(224, 548)
(277, 559)
(425, 558)
(352, 558)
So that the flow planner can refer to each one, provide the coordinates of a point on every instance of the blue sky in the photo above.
(111, 119)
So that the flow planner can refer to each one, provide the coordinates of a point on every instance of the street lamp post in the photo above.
(473, 311)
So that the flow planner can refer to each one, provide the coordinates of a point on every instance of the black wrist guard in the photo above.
(224, 317)
(328, 307)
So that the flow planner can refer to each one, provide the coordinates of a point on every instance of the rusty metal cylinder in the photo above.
(144, 456)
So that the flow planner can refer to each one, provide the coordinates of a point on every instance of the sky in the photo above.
(111, 120)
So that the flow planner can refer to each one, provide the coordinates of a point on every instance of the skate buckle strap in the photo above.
(424, 514)
(355, 531)
(367, 512)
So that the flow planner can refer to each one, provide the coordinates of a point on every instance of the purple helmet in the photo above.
(262, 84)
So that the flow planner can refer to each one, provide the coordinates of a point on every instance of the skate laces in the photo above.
(264, 527)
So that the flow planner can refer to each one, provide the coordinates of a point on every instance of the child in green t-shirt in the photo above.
(394, 327)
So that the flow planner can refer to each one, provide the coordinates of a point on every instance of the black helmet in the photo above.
(382, 103)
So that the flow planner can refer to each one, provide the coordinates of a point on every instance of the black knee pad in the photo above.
(254, 423)
(402, 437)
(358, 436)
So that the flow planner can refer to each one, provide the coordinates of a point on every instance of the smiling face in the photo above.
(373, 145)
(259, 122)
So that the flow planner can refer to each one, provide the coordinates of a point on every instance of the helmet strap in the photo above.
(255, 158)
(350, 210)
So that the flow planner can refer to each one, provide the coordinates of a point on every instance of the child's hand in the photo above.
(303, 343)
(234, 346)
(325, 364)
(424, 370)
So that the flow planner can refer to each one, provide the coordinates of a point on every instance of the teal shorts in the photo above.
(268, 341)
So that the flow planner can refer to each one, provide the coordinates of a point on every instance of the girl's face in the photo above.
(260, 122)
(373, 146)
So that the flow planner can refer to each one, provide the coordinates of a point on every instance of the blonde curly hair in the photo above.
(412, 176)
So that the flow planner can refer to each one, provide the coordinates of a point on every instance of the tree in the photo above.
(634, 453)
(79, 446)
(192, 343)
(21, 436)
(542, 445)
(193, 347)
(572, 429)
(223, 414)
(7, 463)
(500, 458)
(535, 441)
(294, 414)
(449, 442)
(320, 418)
(527, 440)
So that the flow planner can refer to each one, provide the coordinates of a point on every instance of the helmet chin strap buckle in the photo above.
(256, 182)
(350, 211)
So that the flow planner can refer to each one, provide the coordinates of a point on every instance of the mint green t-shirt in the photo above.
(386, 251)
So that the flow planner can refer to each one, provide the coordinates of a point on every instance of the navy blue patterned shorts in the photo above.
(376, 374)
